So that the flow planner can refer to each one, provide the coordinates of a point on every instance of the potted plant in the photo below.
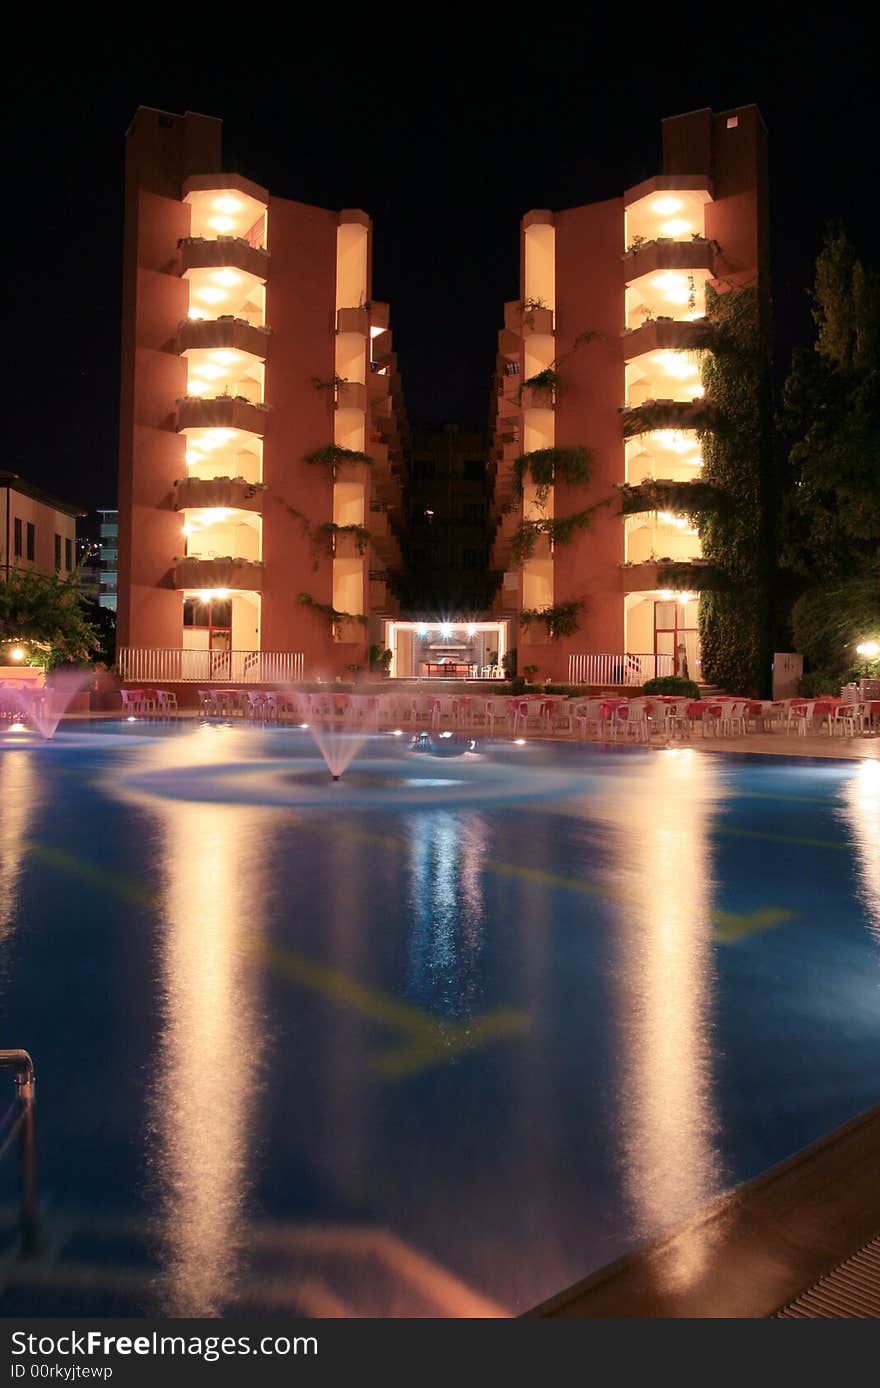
(380, 660)
(530, 672)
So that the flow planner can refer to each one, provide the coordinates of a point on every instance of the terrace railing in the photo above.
(172, 665)
(618, 669)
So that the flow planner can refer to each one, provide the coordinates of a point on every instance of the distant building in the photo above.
(37, 530)
(448, 510)
(109, 558)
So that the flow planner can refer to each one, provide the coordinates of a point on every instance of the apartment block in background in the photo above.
(603, 351)
(37, 531)
(261, 423)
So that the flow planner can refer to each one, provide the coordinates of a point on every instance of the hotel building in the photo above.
(600, 360)
(261, 424)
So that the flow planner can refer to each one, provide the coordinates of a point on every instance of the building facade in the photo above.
(262, 431)
(38, 531)
(108, 551)
(599, 399)
(447, 550)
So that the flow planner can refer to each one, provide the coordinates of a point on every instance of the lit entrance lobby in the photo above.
(447, 649)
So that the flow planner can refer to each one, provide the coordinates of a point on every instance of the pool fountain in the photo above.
(43, 708)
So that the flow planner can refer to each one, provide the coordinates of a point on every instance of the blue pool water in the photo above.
(438, 1040)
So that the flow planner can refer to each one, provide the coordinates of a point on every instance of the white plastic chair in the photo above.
(498, 711)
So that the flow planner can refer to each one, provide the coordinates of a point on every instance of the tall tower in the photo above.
(599, 414)
(260, 439)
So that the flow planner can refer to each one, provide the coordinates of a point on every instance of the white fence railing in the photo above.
(172, 665)
(618, 669)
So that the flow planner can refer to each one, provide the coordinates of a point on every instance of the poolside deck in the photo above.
(755, 1250)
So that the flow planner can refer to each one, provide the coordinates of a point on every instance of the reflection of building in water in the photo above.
(18, 803)
(447, 853)
(209, 1053)
(861, 810)
(661, 875)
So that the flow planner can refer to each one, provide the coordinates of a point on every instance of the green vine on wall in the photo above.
(559, 530)
(662, 494)
(331, 455)
(548, 465)
(330, 530)
(330, 612)
(560, 619)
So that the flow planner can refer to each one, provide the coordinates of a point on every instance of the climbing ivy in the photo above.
(330, 612)
(560, 619)
(559, 529)
(331, 455)
(548, 465)
(735, 619)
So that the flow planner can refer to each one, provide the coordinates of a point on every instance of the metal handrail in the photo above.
(20, 1063)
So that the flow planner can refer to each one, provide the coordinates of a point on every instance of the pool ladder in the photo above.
(22, 1067)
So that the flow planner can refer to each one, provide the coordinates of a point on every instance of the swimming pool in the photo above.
(438, 1040)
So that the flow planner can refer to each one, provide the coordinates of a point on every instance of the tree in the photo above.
(47, 614)
(831, 512)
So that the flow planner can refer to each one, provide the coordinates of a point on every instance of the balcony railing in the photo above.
(651, 256)
(232, 492)
(221, 412)
(229, 571)
(229, 332)
(173, 665)
(224, 252)
(621, 669)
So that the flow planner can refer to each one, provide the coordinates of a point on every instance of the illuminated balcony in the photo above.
(654, 257)
(667, 206)
(668, 335)
(347, 545)
(690, 575)
(350, 630)
(654, 415)
(660, 534)
(232, 493)
(226, 204)
(221, 575)
(223, 253)
(351, 395)
(537, 397)
(221, 412)
(663, 453)
(226, 334)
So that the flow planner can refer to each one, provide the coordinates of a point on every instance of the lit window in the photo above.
(732, 122)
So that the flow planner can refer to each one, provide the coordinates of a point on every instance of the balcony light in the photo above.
(472, 630)
(446, 629)
(677, 227)
(226, 277)
(685, 598)
(196, 314)
(225, 358)
(210, 294)
(676, 365)
(207, 370)
(197, 387)
(664, 207)
(228, 205)
(869, 649)
(666, 595)
(698, 391)
(222, 224)
(208, 594)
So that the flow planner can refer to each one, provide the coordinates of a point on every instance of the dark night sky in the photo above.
(446, 150)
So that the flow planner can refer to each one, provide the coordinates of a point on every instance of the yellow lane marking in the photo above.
(425, 1039)
(781, 838)
(731, 926)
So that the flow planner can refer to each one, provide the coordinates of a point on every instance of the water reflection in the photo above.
(661, 872)
(447, 853)
(205, 1097)
(861, 810)
(18, 803)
